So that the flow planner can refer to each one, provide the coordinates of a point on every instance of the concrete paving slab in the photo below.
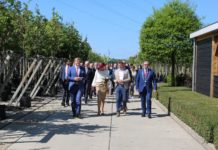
(53, 127)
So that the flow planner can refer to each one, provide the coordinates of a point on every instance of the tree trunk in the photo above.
(173, 61)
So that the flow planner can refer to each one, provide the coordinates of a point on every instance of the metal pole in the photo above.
(49, 74)
(40, 79)
(169, 106)
(53, 79)
(37, 90)
(29, 81)
(194, 67)
(23, 80)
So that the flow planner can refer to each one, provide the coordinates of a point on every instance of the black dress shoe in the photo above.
(63, 104)
(143, 115)
(86, 100)
(149, 116)
(78, 116)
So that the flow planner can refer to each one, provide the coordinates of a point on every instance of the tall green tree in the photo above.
(72, 41)
(10, 11)
(85, 48)
(55, 35)
(94, 57)
(30, 33)
(165, 34)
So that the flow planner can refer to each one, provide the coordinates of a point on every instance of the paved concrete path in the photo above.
(52, 127)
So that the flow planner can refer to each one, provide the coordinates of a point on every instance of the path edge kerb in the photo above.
(189, 130)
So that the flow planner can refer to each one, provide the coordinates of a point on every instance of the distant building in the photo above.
(205, 60)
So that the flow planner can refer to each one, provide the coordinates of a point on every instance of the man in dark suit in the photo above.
(90, 73)
(130, 73)
(64, 82)
(111, 79)
(145, 83)
(76, 78)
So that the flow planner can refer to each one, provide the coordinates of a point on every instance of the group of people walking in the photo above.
(97, 79)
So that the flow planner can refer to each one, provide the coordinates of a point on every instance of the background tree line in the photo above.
(31, 33)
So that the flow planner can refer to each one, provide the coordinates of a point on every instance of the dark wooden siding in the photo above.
(203, 76)
(215, 86)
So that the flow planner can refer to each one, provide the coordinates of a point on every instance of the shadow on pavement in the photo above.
(42, 126)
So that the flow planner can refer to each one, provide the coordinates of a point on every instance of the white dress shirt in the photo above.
(66, 71)
(121, 74)
(78, 70)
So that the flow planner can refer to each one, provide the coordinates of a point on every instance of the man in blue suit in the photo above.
(64, 82)
(76, 78)
(145, 83)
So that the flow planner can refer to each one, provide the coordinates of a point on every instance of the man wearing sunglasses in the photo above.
(145, 83)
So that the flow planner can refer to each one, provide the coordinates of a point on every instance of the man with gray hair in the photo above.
(145, 83)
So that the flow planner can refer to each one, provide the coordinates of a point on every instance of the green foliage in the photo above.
(216, 137)
(165, 34)
(30, 33)
(132, 60)
(196, 110)
(169, 80)
(94, 57)
(9, 33)
(135, 60)
(168, 30)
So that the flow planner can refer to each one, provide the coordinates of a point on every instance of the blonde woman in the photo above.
(100, 83)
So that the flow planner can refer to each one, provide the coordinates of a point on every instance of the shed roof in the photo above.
(205, 30)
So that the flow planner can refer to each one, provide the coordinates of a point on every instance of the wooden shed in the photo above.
(205, 60)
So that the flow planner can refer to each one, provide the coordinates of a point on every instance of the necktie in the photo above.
(146, 73)
(66, 71)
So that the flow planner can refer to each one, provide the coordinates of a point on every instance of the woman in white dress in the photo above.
(100, 83)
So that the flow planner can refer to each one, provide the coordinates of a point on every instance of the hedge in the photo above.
(198, 111)
(216, 137)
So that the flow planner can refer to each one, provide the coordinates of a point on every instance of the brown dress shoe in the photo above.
(118, 114)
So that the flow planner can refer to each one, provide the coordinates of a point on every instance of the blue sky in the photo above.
(113, 26)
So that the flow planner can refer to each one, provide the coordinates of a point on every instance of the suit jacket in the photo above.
(111, 74)
(72, 74)
(126, 77)
(130, 72)
(62, 74)
(90, 75)
(140, 80)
